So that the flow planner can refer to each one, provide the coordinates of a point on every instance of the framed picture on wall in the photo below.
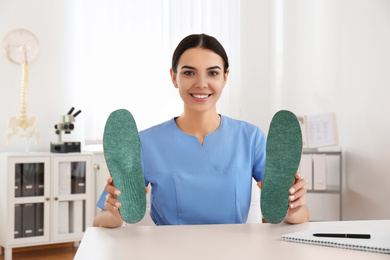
(319, 130)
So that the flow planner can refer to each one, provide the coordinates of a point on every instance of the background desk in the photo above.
(239, 241)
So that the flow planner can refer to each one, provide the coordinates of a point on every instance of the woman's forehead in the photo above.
(200, 57)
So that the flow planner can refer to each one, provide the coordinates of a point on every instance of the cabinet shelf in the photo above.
(330, 191)
(45, 198)
(323, 172)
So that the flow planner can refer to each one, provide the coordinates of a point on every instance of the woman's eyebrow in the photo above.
(214, 67)
(188, 67)
(192, 68)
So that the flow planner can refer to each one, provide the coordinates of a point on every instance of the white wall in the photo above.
(256, 92)
(328, 56)
(364, 106)
(51, 85)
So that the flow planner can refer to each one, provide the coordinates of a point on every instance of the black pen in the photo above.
(365, 236)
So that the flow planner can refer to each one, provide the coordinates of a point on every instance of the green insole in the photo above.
(283, 155)
(122, 151)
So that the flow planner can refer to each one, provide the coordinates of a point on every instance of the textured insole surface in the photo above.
(122, 151)
(284, 150)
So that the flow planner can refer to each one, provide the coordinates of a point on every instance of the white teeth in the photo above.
(200, 96)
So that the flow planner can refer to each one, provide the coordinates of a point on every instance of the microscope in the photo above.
(66, 125)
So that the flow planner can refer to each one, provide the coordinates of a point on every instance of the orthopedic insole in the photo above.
(283, 155)
(122, 151)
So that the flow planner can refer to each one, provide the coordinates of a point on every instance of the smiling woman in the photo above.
(200, 74)
(190, 186)
(200, 165)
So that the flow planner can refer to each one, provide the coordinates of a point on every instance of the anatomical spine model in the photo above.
(21, 46)
(21, 125)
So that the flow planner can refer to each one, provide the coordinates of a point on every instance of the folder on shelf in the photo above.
(39, 219)
(319, 166)
(18, 221)
(28, 220)
(76, 216)
(64, 178)
(18, 180)
(78, 177)
(39, 179)
(28, 179)
(63, 217)
(84, 216)
(306, 169)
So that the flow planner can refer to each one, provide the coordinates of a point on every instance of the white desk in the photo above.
(240, 241)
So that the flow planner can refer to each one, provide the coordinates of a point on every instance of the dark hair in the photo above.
(203, 41)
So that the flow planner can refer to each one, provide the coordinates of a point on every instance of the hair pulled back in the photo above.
(203, 41)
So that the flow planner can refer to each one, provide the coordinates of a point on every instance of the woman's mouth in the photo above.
(200, 97)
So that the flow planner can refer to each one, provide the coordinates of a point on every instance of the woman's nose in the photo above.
(201, 82)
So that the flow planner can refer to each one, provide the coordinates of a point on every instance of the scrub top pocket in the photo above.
(206, 197)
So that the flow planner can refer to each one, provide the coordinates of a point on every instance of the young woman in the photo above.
(200, 165)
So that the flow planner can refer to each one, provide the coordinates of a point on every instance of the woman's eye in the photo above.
(188, 73)
(213, 73)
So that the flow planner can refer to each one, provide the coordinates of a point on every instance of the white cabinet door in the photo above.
(28, 200)
(72, 195)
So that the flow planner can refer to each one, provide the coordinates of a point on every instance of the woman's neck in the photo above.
(199, 124)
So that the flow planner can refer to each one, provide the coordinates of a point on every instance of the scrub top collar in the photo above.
(219, 129)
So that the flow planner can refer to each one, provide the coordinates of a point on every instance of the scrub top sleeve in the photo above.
(101, 200)
(143, 164)
(259, 155)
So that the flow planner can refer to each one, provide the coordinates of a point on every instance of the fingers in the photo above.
(297, 176)
(111, 203)
(113, 192)
(111, 189)
(299, 184)
(297, 191)
(297, 199)
(111, 200)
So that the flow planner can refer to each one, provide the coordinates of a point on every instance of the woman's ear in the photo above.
(225, 77)
(173, 78)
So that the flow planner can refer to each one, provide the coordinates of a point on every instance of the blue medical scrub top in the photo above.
(201, 184)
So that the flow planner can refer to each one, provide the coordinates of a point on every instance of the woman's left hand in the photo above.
(297, 197)
(297, 211)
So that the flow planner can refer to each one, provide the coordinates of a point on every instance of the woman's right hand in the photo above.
(112, 204)
(110, 217)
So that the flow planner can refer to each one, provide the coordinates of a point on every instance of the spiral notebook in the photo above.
(378, 243)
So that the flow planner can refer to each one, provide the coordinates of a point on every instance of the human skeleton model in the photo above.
(21, 47)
